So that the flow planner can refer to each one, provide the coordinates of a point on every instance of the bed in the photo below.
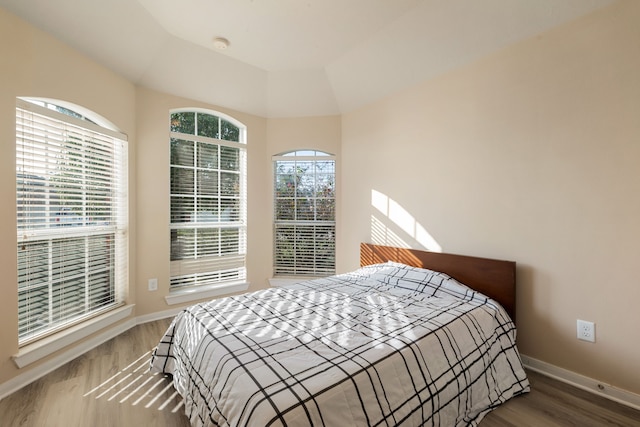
(410, 338)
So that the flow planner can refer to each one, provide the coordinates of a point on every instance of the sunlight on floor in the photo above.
(136, 385)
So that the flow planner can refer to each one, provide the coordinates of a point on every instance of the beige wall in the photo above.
(34, 64)
(532, 155)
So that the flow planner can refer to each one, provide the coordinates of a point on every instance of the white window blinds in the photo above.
(304, 202)
(71, 193)
(208, 200)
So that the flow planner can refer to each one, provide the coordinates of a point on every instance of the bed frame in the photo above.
(494, 278)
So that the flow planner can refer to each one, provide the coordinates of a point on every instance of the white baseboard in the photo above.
(600, 388)
(21, 380)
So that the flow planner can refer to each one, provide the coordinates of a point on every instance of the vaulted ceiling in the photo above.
(290, 58)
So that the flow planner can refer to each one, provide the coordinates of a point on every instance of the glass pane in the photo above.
(33, 264)
(31, 201)
(101, 289)
(304, 210)
(68, 298)
(285, 209)
(99, 211)
(207, 156)
(304, 242)
(183, 123)
(208, 241)
(208, 183)
(230, 132)
(306, 186)
(208, 125)
(33, 309)
(284, 245)
(304, 168)
(67, 258)
(69, 215)
(230, 241)
(230, 184)
(325, 209)
(230, 209)
(325, 241)
(285, 185)
(229, 158)
(68, 112)
(182, 209)
(328, 167)
(325, 185)
(182, 152)
(210, 205)
(285, 167)
(182, 181)
(182, 244)
(101, 280)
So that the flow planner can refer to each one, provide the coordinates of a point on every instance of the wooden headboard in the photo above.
(494, 278)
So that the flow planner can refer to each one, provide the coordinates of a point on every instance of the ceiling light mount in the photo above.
(220, 43)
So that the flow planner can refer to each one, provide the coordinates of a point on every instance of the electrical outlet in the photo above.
(153, 284)
(586, 331)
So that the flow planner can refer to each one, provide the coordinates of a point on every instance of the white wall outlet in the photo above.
(153, 284)
(586, 331)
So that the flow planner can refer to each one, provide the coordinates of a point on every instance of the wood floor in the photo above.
(111, 386)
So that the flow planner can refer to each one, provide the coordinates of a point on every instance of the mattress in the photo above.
(384, 345)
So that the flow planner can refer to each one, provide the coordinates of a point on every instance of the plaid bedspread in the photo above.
(384, 345)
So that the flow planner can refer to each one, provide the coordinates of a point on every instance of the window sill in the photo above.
(42, 348)
(276, 282)
(202, 292)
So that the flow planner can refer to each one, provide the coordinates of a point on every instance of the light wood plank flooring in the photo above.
(111, 386)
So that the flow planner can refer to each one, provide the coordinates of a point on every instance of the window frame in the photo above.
(98, 187)
(194, 271)
(319, 263)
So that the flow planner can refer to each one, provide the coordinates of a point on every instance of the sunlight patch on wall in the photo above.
(381, 235)
(397, 222)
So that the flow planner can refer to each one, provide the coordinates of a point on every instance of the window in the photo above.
(71, 192)
(208, 199)
(304, 217)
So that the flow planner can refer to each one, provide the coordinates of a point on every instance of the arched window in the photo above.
(304, 217)
(71, 193)
(208, 199)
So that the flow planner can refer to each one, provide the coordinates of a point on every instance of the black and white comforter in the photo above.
(385, 345)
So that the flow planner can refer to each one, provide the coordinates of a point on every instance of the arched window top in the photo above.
(209, 124)
(73, 110)
(304, 153)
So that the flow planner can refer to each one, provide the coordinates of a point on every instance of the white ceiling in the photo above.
(290, 58)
